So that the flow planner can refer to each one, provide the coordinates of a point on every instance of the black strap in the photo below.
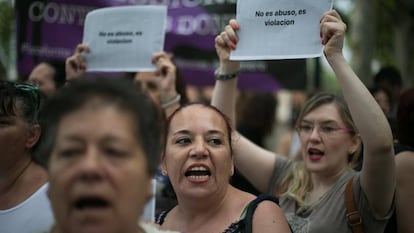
(160, 217)
(248, 217)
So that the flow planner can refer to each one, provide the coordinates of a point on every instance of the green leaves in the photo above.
(6, 30)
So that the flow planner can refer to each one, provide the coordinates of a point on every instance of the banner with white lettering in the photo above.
(51, 29)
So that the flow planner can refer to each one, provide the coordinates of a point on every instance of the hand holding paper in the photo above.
(225, 43)
(75, 65)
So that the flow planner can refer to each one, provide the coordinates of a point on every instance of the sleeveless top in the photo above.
(240, 226)
(32, 215)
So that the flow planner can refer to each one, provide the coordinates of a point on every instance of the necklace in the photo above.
(21, 173)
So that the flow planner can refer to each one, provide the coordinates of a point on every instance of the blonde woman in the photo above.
(312, 192)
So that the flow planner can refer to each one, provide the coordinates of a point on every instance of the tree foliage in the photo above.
(6, 20)
(385, 36)
(382, 31)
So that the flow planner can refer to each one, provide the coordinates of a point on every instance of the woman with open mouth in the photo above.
(198, 159)
(102, 138)
(312, 191)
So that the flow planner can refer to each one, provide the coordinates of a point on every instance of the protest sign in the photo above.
(279, 29)
(124, 38)
(50, 30)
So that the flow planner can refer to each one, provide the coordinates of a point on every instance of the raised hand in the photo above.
(332, 32)
(224, 43)
(75, 65)
(166, 75)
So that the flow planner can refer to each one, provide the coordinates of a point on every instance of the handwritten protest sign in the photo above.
(279, 29)
(124, 38)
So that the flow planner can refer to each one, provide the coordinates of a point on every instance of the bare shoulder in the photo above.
(268, 217)
(267, 208)
(405, 190)
(404, 162)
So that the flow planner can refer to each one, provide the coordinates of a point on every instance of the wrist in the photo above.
(222, 76)
(171, 101)
(334, 57)
(332, 53)
(228, 67)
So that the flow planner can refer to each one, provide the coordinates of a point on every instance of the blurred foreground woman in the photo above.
(102, 139)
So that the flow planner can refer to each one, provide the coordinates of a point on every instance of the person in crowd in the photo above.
(165, 87)
(383, 98)
(198, 159)
(49, 76)
(24, 206)
(288, 143)
(102, 138)
(256, 116)
(312, 192)
(404, 163)
(389, 78)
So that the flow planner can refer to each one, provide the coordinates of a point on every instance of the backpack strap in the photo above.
(247, 215)
(354, 219)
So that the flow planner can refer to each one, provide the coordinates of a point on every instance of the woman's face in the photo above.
(326, 140)
(42, 75)
(149, 84)
(197, 157)
(16, 137)
(98, 172)
(383, 101)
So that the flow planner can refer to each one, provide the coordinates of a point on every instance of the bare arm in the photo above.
(405, 191)
(268, 217)
(378, 172)
(254, 162)
(166, 75)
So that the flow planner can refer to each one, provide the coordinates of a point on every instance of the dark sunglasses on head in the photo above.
(25, 88)
(34, 90)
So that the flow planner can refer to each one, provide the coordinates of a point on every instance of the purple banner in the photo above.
(49, 30)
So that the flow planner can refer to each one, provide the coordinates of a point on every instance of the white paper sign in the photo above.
(279, 29)
(124, 38)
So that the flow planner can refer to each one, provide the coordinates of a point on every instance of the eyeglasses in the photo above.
(323, 131)
(26, 91)
(33, 90)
